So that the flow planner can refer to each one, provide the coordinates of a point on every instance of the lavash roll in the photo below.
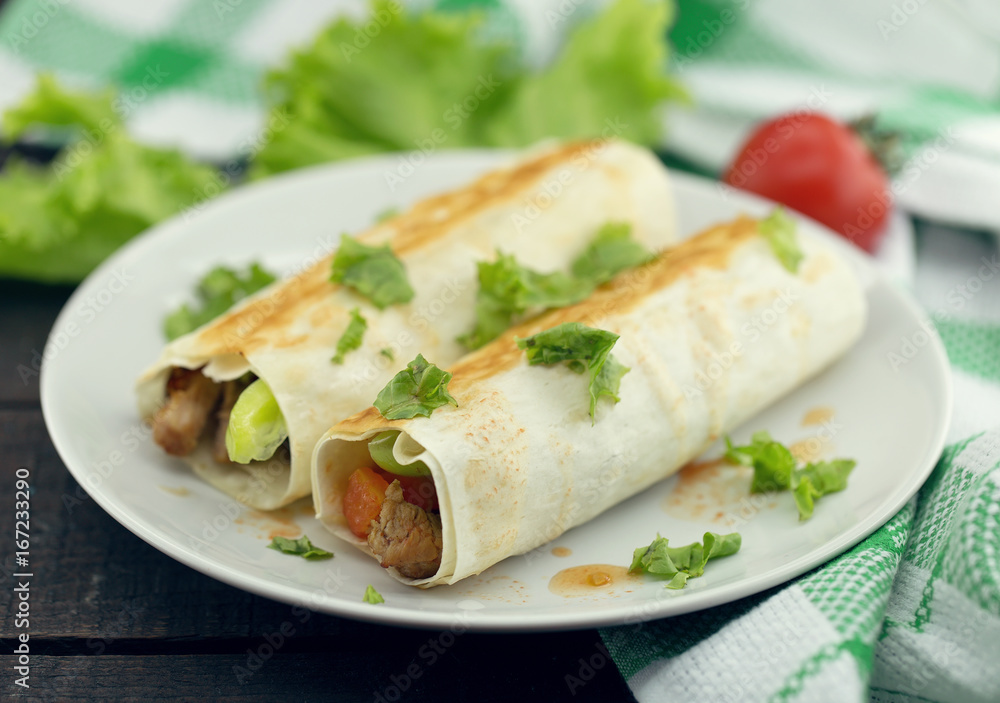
(543, 209)
(512, 462)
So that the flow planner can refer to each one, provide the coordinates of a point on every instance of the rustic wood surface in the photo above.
(113, 618)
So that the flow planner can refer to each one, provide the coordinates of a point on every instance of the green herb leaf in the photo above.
(419, 389)
(772, 462)
(301, 547)
(218, 290)
(387, 353)
(612, 251)
(372, 596)
(374, 272)
(507, 289)
(585, 349)
(681, 563)
(774, 470)
(779, 231)
(816, 480)
(352, 336)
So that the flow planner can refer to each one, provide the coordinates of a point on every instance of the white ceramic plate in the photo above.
(892, 420)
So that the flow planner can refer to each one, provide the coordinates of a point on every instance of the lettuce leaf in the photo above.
(607, 81)
(779, 231)
(612, 251)
(419, 389)
(372, 596)
(816, 480)
(408, 80)
(774, 469)
(772, 462)
(58, 222)
(584, 349)
(301, 547)
(218, 290)
(508, 289)
(374, 272)
(352, 336)
(678, 564)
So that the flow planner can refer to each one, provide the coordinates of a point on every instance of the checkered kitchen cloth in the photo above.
(913, 612)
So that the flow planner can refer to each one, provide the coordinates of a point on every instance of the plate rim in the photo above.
(474, 620)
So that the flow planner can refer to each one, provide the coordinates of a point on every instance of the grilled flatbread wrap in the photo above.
(544, 210)
(713, 331)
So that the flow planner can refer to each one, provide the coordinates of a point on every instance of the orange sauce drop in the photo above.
(591, 579)
(708, 491)
(275, 523)
(817, 416)
(561, 551)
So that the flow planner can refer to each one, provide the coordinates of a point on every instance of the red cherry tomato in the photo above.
(821, 168)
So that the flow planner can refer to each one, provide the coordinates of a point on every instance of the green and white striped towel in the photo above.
(913, 612)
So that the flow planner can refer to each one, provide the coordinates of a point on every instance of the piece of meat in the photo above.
(406, 536)
(230, 392)
(191, 397)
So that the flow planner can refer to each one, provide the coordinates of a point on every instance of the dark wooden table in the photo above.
(113, 618)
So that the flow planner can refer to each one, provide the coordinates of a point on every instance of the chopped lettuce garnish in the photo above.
(584, 349)
(352, 336)
(771, 461)
(612, 251)
(54, 106)
(300, 547)
(346, 94)
(508, 289)
(678, 564)
(372, 596)
(419, 389)
(256, 425)
(779, 231)
(59, 221)
(374, 272)
(380, 449)
(816, 480)
(218, 290)
(774, 470)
